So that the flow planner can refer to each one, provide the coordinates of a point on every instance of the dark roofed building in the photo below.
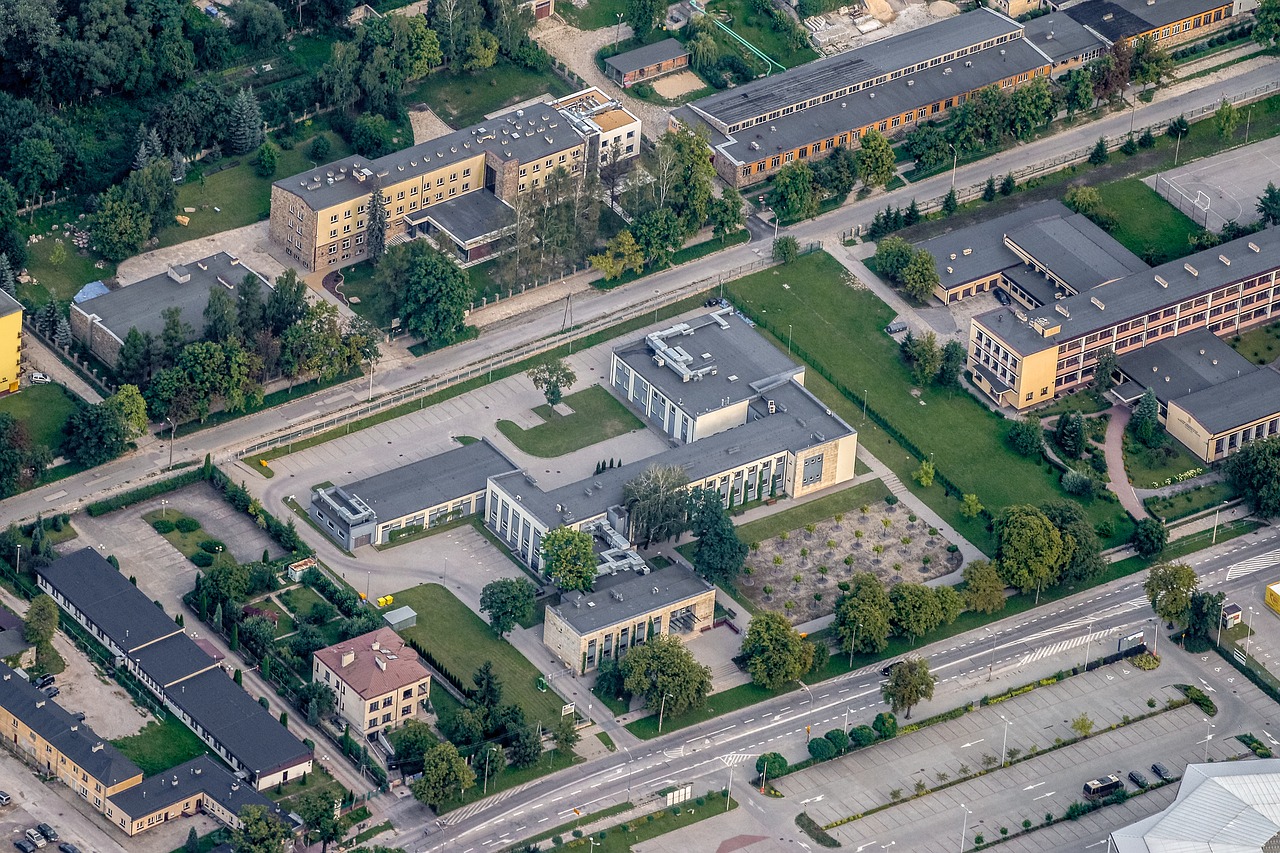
(102, 323)
(45, 735)
(155, 650)
(1068, 43)
(471, 225)
(1165, 21)
(422, 494)
(646, 63)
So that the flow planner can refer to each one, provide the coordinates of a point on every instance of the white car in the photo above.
(40, 379)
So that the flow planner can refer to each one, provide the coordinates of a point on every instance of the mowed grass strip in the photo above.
(1261, 345)
(1146, 224)
(460, 640)
(597, 416)
(465, 97)
(160, 746)
(841, 329)
(845, 501)
(43, 410)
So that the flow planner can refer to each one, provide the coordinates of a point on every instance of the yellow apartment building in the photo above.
(10, 343)
(377, 678)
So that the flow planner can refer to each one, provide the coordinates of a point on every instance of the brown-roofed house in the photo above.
(378, 679)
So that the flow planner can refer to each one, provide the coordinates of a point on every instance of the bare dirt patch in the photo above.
(798, 573)
(426, 124)
(675, 85)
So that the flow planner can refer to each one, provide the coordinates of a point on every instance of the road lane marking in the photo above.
(1042, 796)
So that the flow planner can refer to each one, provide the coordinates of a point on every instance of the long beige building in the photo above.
(458, 189)
(624, 611)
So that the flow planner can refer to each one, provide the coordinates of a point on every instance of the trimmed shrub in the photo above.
(822, 749)
(203, 559)
(213, 546)
(162, 526)
(838, 739)
(187, 525)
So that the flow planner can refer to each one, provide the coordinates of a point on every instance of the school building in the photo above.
(457, 189)
(10, 343)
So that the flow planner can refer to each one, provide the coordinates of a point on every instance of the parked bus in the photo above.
(1096, 789)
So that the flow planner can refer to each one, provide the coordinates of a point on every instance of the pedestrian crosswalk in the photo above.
(1253, 564)
(1054, 648)
(462, 814)
(733, 759)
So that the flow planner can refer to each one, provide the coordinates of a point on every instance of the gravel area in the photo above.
(577, 49)
(426, 124)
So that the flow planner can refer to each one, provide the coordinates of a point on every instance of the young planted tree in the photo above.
(552, 376)
(909, 684)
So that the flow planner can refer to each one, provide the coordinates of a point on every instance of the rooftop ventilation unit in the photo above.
(1160, 280)
(1253, 246)
(1225, 260)
(1191, 270)
(1097, 303)
(968, 63)
(1062, 309)
(968, 252)
(953, 256)
(950, 270)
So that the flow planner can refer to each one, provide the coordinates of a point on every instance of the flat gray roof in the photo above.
(799, 419)
(650, 54)
(1236, 402)
(744, 360)
(628, 595)
(1033, 282)
(1061, 37)
(979, 249)
(201, 775)
(8, 305)
(1124, 18)
(471, 216)
(891, 98)
(1140, 293)
(1077, 251)
(104, 595)
(523, 134)
(828, 74)
(435, 480)
(1186, 364)
(173, 659)
(141, 305)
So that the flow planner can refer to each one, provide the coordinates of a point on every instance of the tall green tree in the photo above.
(1082, 559)
(569, 559)
(1226, 119)
(1255, 472)
(664, 667)
(428, 291)
(1145, 423)
(914, 610)
(1149, 537)
(249, 307)
(552, 376)
(984, 588)
(909, 684)
(1029, 548)
(260, 831)
(920, 276)
(719, 554)
(220, 322)
(244, 124)
(376, 235)
(94, 434)
(657, 503)
(892, 256)
(131, 410)
(1169, 587)
(445, 774)
(507, 601)
(1266, 29)
(775, 652)
(41, 621)
(793, 191)
(1026, 436)
(862, 615)
(1069, 434)
(725, 213)
(876, 161)
(315, 807)
(120, 226)
(643, 16)
(286, 303)
(1104, 371)
(1269, 202)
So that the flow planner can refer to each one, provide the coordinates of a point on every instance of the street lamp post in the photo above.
(955, 157)
(1216, 510)
(617, 31)
(992, 662)
(1155, 632)
(1208, 736)
(864, 405)
(173, 431)
(728, 794)
(807, 726)
(1004, 745)
(1222, 615)
(1248, 640)
(964, 825)
(854, 643)
(1088, 641)
(630, 761)
(788, 339)
(662, 708)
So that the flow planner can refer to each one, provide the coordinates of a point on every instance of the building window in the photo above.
(333, 232)
(373, 706)
(346, 214)
(400, 196)
(333, 218)
(372, 723)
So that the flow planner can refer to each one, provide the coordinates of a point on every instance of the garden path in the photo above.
(1114, 449)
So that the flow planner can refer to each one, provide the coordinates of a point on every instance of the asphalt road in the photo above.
(223, 441)
(1028, 646)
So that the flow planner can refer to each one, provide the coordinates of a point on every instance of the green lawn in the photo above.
(838, 330)
(593, 16)
(757, 29)
(160, 746)
(620, 839)
(239, 195)
(300, 600)
(1078, 401)
(1148, 468)
(597, 416)
(63, 281)
(318, 779)
(1146, 224)
(552, 761)
(187, 543)
(357, 281)
(43, 409)
(465, 98)
(1191, 502)
(285, 623)
(1261, 345)
(682, 256)
(733, 699)
(848, 500)
(461, 640)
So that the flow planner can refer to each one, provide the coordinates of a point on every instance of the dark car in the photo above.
(1138, 779)
(24, 845)
(44, 680)
(1161, 771)
(1001, 296)
(52, 690)
(47, 831)
(889, 668)
(68, 847)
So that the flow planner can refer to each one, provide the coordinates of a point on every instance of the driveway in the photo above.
(577, 49)
(45, 360)
(1114, 451)
(249, 244)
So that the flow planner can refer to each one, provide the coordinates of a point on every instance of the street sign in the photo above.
(567, 709)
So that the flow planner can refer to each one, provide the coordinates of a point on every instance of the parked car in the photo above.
(895, 327)
(889, 668)
(1138, 779)
(1161, 771)
(79, 716)
(52, 690)
(1001, 296)
(68, 847)
(4, 799)
(44, 680)
(24, 845)
(40, 379)
(47, 831)
(35, 837)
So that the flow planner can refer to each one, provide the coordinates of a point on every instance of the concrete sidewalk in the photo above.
(1113, 447)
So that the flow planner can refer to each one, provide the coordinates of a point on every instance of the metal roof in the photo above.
(627, 596)
(1061, 37)
(650, 54)
(979, 249)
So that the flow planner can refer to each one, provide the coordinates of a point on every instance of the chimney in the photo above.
(376, 645)
(98, 747)
(380, 664)
(348, 657)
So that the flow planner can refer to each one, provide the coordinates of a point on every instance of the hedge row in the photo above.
(1248, 673)
(145, 493)
(444, 671)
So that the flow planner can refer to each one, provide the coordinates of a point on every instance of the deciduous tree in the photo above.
(1169, 587)
(664, 667)
(1255, 472)
(444, 774)
(507, 601)
(656, 502)
(429, 291)
(1029, 548)
(1026, 436)
(909, 684)
(41, 621)
(876, 161)
(920, 276)
(552, 376)
(862, 615)
(793, 191)
(983, 587)
(1266, 30)
(260, 831)
(892, 256)
(775, 652)
(569, 559)
(1149, 537)
(915, 610)
(1226, 119)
